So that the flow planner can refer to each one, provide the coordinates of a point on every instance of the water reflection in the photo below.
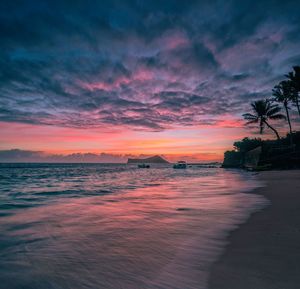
(160, 236)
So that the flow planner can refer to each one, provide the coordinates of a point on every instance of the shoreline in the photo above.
(264, 252)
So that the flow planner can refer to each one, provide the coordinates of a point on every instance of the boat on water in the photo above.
(180, 165)
(143, 166)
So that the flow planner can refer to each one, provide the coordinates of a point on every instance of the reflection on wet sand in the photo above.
(163, 236)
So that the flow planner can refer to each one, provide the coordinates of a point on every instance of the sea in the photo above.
(115, 226)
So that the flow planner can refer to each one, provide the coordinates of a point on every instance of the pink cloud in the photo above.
(140, 74)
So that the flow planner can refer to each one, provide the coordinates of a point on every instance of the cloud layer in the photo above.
(28, 156)
(23, 156)
(144, 65)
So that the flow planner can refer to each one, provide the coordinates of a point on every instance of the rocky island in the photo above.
(151, 160)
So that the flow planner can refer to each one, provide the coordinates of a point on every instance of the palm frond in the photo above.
(249, 116)
(251, 121)
(259, 107)
(273, 110)
(284, 91)
(278, 116)
(290, 76)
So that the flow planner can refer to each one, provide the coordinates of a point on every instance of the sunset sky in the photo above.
(120, 78)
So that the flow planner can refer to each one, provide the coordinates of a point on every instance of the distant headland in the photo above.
(151, 160)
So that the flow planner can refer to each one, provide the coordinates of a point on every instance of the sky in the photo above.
(104, 80)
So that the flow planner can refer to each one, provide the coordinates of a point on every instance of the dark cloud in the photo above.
(142, 64)
(16, 154)
(24, 156)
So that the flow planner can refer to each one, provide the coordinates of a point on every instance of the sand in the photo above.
(264, 252)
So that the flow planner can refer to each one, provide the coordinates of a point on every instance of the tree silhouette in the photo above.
(284, 93)
(294, 77)
(263, 110)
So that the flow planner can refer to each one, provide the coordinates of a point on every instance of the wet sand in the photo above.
(265, 252)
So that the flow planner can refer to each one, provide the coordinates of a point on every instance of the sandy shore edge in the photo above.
(264, 252)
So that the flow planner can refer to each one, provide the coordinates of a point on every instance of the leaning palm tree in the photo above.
(263, 110)
(294, 77)
(284, 93)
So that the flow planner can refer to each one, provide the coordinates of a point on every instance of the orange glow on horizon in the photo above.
(199, 143)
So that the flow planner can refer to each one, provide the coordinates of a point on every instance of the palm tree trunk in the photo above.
(288, 117)
(273, 129)
(289, 121)
(297, 103)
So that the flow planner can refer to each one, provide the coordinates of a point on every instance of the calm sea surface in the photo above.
(75, 226)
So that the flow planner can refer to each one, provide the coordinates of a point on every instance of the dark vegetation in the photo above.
(283, 152)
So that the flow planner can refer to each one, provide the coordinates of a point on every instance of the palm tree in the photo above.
(263, 110)
(284, 93)
(294, 77)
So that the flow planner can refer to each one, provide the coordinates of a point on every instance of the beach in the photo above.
(117, 226)
(264, 252)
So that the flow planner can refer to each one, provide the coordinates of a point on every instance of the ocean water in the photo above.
(115, 226)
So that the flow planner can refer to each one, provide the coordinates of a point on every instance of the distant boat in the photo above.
(143, 166)
(180, 165)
